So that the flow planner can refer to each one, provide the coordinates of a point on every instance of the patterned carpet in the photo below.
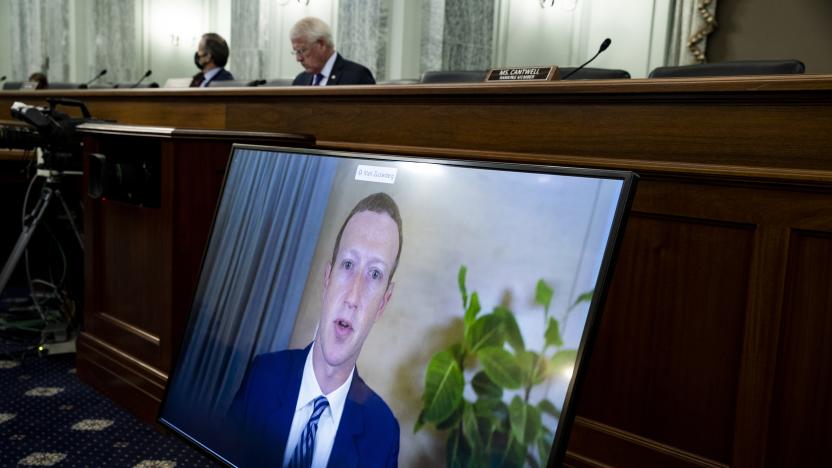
(49, 418)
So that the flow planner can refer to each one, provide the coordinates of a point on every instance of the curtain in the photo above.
(249, 40)
(40, 38)
(691, 23)
(363, 31)
(252, 281)
(113, 42)
(457, 35)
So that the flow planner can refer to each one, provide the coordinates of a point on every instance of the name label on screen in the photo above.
(549, 73)
(385, 175)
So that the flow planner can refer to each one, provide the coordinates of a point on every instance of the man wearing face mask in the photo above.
(211, 57)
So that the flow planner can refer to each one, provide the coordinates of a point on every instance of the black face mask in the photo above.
(196, 61)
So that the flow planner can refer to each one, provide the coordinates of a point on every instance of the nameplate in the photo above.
(510, 75)
(385, 175)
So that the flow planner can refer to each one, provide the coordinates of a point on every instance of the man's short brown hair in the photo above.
(377, 203)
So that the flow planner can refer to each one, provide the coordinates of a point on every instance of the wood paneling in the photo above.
(626, 449)
(674, 348)
(142, 262)
(712, 349)
(799, 431)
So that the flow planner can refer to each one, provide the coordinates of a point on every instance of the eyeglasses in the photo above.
(301, 52)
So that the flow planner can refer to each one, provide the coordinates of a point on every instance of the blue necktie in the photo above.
(302, 455)
(316, 80)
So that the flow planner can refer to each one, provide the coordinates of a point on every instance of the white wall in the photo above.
(282, 63)
(569, 33)
(6, 42)
(565, 35)
(171, 34)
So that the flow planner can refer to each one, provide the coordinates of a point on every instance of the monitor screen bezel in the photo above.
(557, 451)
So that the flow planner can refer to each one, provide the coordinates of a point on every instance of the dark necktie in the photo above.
(316, 80)
(197, 80)
(302, 455)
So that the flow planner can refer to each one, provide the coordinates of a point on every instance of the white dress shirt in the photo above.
(326, 71)
(330, 418)
(208, 76)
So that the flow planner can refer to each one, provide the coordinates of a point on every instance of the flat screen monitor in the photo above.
(358, 309)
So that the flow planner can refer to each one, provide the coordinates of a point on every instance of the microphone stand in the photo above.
(99, 75)
(148, 73)
(603, 47)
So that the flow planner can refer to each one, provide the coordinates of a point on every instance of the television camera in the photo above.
(52, 135)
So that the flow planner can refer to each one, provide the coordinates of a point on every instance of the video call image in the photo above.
(380, 312)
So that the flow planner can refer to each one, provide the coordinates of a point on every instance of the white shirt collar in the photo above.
(309, 390)
(209, 75)
(326, 71)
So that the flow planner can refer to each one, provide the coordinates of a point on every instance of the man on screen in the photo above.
(310, 407)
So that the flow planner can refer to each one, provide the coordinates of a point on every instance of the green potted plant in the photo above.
(502, 426)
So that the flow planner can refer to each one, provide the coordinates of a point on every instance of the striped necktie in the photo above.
(302, 455)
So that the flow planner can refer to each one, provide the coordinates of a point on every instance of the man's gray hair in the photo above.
(312, 29)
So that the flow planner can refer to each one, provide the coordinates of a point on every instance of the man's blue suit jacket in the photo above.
(261, 416)
(344, 72)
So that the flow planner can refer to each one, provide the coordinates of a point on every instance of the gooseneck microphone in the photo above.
(146, 74)
(603, 47)
(99, 75)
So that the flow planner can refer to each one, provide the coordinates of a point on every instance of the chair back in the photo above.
(732, 68)
(594, 73)
(234, 83)
(453, 76)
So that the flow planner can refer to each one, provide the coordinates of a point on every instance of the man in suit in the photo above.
(211, 57)
(310, 407)
(314, 49)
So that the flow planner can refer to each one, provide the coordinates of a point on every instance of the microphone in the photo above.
(146, 74)
(2, 78)
(99, 75)
(603, 47)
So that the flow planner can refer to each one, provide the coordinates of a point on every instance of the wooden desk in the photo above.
(713, 346)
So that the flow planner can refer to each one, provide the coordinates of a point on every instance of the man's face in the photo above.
(356, 287)
(204, 56)
(311, 55)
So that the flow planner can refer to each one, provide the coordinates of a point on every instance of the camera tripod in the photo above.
(49, 192)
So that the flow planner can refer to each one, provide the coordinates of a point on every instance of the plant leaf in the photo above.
(485, 387)
(515, 453)
(444, 384)
(486, 331)
(525, 421)
(563, 362)
(472, 310)
(543, 294)
(454, 449)
(420, 421)
(512, 331)
(501, 367)
(457, 352)
(534, 368)
(452, 420)
(460, 278)
(548, 407)
(553, 337)
(470, 428)
(491, 409)
(585, 297)
(543, 447)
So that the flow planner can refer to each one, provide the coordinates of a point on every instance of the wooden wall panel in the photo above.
(799, 432)
(672, 333)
